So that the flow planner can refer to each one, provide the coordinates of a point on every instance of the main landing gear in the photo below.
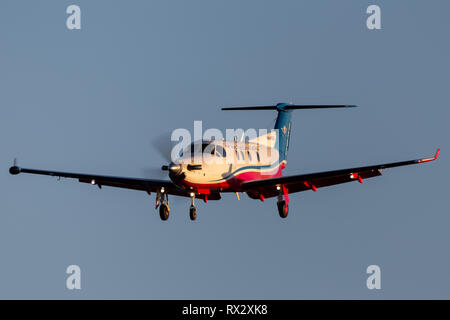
(283, 208)
(283, 201)
(162, 200)
(164, 211)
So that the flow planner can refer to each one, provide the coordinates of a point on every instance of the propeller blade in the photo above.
(163, 145)
(153, 172)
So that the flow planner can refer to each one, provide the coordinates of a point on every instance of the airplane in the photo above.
(248, 169)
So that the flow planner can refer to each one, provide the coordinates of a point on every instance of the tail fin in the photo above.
(283, 122)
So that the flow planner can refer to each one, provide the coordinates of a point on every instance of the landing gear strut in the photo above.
(192, 208)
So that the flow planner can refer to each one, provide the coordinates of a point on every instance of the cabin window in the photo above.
(257, 156)
(249, 156)
(242, 155)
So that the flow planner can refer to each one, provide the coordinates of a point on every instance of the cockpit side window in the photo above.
(220, 151)
(211, 148)
(195, 148)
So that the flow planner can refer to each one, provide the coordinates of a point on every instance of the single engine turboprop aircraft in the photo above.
(249, 171)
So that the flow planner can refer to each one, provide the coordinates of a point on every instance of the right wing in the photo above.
(266, 188)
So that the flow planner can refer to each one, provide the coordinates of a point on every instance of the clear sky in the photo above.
(92, 100)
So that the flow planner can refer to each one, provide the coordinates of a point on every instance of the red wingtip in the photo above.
(431, 159)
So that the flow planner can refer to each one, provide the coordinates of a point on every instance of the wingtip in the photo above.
(14, 170)
(430, 159)
(437, 153)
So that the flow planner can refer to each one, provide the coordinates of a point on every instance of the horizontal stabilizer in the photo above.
(284, 106)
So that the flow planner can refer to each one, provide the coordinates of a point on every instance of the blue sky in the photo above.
(92, 100)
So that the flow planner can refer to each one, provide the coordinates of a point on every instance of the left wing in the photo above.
(149, 185)
(266, 188)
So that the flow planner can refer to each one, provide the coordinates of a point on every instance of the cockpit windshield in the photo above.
(204, 148)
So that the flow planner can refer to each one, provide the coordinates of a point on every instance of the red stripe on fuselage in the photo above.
(234, 183)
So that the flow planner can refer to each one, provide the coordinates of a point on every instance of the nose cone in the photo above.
(175, 168)
(175, 171)
(172, 168)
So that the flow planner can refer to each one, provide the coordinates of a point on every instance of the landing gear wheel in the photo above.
(283, 209)
(164, 211)
(193, 212)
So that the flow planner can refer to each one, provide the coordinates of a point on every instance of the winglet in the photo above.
(430, 159)
(437, 153)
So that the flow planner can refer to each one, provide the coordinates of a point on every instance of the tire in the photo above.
(164, 212)
(283, 209)
(193, 213)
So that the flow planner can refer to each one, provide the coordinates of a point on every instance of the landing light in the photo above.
(278, 188)
(192, 194)
(162, 190)
(352, 176)
(92, 181)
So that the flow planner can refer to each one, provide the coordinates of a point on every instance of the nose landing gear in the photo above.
(193, 212)
(192, 208)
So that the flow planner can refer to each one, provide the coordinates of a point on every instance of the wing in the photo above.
(266, 188)
(149, 185)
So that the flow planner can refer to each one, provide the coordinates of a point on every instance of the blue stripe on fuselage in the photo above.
(269, 166)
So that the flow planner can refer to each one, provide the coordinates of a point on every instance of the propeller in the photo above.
(153, 172)
(163, 145)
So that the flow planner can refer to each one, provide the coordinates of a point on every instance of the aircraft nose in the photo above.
(175, 168)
